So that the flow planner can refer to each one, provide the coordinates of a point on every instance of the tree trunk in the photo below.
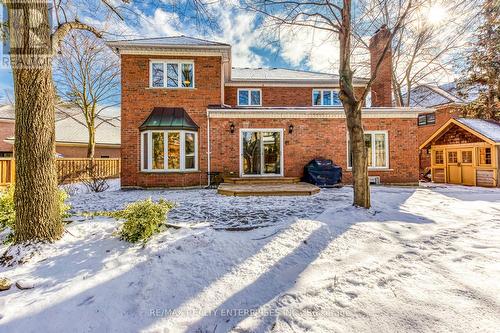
(36, 196)
(352, 109)
(91, 144)
(359, 157)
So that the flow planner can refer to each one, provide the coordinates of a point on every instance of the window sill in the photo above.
(170, 171)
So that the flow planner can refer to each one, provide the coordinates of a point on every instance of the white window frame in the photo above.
(321, 100)
(372, 133)
(282, 153)
(249, 96)
(165, 155)
(165, 62)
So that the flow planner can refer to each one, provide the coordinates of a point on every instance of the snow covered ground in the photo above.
(421, 260)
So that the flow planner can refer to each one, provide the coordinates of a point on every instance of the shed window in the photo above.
(484, 156)
(467, 156)
(452, 157)
(438, 157)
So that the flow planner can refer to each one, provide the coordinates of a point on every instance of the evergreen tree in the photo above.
(483, 68)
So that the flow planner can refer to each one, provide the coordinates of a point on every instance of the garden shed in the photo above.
(465, 151)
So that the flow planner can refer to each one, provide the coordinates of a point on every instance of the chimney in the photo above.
(381, 89)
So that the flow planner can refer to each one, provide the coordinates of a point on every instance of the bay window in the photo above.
(326, 97)
(172, 150)
(172, 74)
(377, 145)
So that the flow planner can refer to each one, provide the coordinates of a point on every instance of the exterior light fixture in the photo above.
(290, 128)
(231, 127)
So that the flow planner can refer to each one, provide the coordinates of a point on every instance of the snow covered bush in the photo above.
(143, 219)
(8, 213)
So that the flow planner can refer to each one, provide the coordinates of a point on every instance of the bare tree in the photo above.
(425, 49)
(87, 76)
(337, 18)
(33, 44)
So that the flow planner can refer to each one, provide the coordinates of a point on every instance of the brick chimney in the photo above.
(382, 86)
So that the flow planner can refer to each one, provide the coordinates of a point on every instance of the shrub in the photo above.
(8, 213)
(143, 219)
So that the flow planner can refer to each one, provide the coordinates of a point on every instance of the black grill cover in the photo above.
(322, 172)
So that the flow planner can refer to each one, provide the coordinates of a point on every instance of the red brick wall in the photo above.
(320, 138)
(6, 131)
(279, 96)
(81, 152)
(138, 100)
(381, 88)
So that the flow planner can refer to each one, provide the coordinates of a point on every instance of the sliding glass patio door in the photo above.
(261, 152)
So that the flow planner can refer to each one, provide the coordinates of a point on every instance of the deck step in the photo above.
(262, 180)
(245, 190)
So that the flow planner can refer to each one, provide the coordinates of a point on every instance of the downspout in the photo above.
(208, 147)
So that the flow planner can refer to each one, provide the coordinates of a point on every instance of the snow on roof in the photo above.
(283, 74)
(166, 41)
(7, 112)
(488, 128)
(426, 95)
(70, 128)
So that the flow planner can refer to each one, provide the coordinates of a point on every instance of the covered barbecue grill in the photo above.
(322, 172)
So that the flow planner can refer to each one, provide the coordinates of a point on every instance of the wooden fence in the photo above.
(68, 169)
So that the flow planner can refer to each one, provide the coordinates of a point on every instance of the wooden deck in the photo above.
(262, 180)
(267, 189)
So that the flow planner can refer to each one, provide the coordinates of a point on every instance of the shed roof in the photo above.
(169, 118)
(487, 130)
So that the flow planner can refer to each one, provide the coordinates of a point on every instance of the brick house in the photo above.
(186, 112)
(71, 134)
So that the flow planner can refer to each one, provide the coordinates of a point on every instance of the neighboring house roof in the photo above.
(285, 75)
(426, 95)
(7, 112)
(70, 127)
(174, 41)
(488, 130)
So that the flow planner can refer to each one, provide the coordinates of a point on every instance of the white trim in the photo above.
(165, 63)
(182, 134)
(311, 112)
(387, 156)
(288, 83)
(249, 97)
(281, 131)
(321, 98)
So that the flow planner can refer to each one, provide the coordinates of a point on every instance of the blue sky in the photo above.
(251, 46)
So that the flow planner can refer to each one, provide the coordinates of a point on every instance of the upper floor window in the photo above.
(426, 119)
(249, 97)
(172, 74)
(326, 97)
(377, 145)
